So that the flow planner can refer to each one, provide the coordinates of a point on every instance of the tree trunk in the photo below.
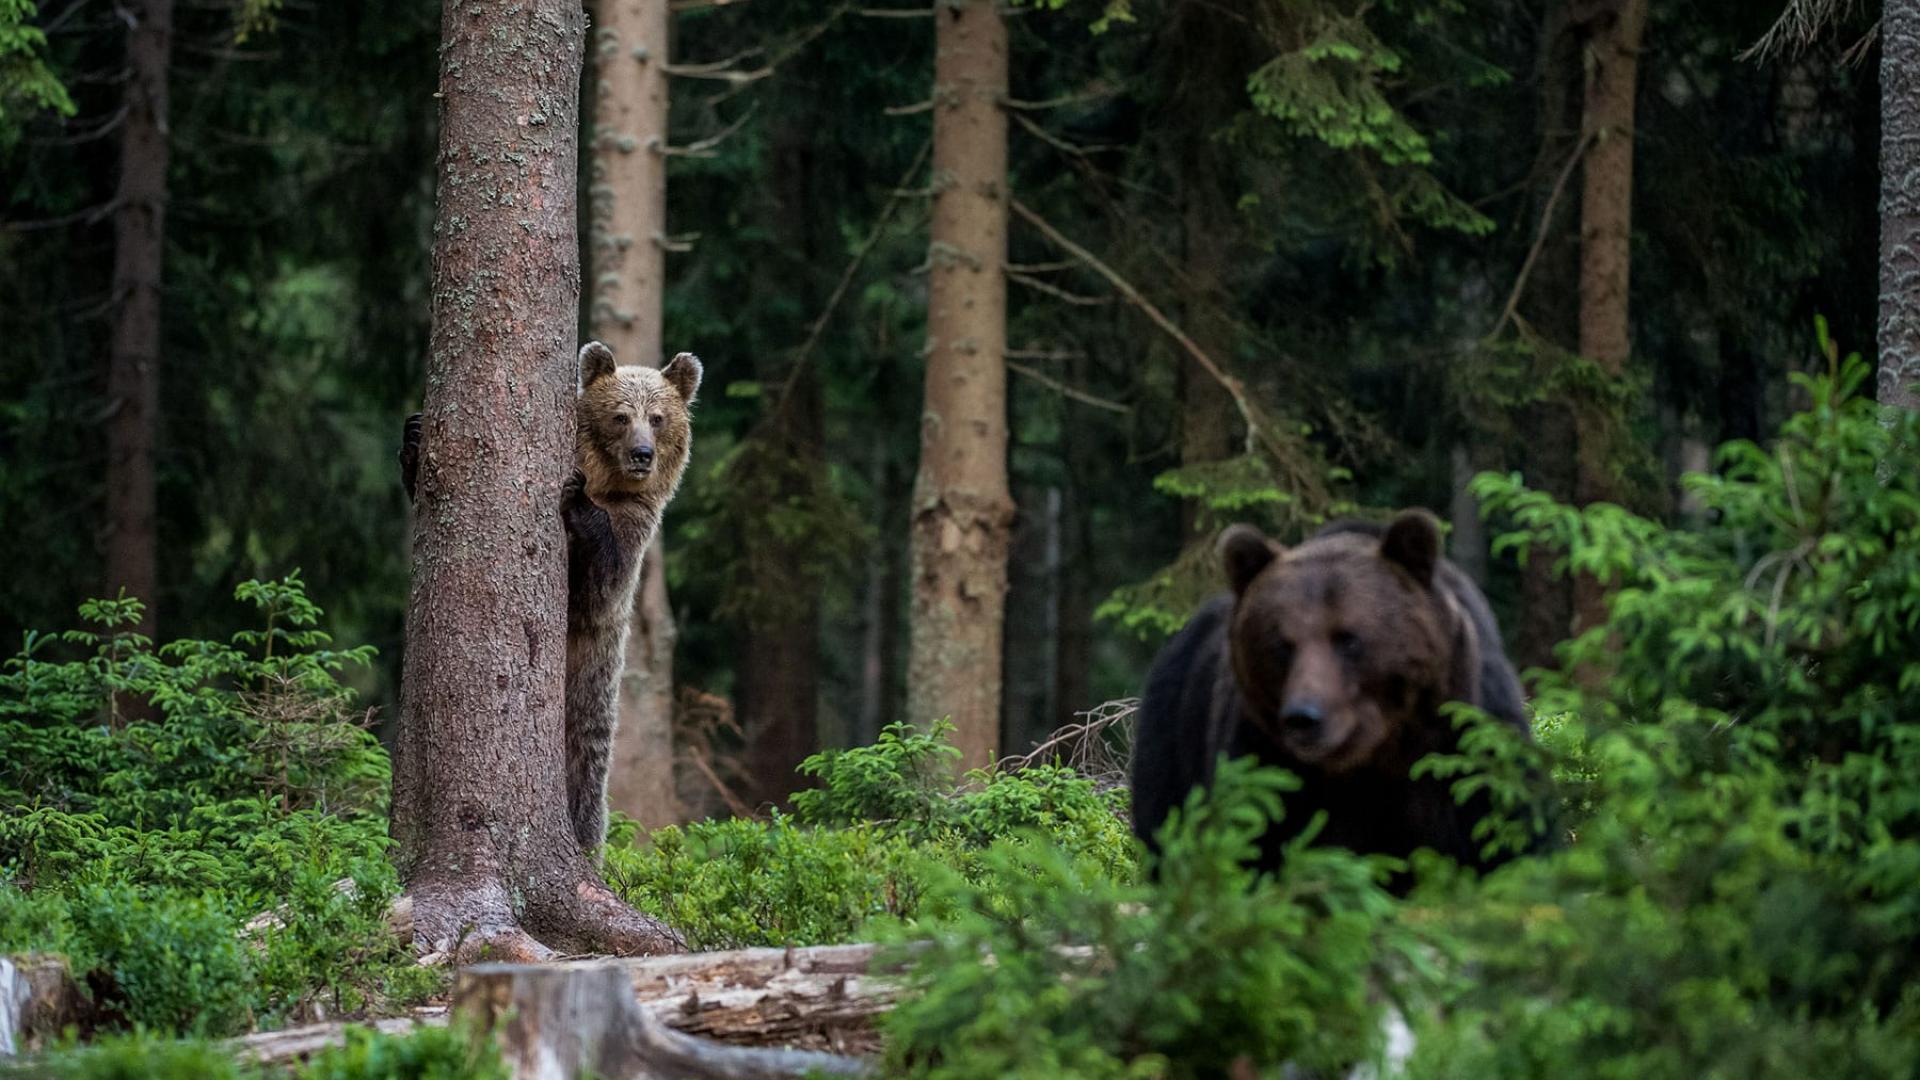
(1606, 230)
(962, 510)
(778, 687)
(1468, 545)
(628, 215)
(133, 362)
(1899, 336)
(480, 825)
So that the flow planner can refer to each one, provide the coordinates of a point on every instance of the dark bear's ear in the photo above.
(684, 372)
(1245, 551)
(596, 363)
(1413, 541)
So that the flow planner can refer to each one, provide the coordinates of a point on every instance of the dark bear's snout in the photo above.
(1303, 718)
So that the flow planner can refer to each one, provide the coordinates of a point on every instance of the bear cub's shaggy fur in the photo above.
(633, 433)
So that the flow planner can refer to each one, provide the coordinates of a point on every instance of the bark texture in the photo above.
(479, 806)
(1899, 332)
(1606, 229)
(133, 359)
(962, 509)
(628, 201)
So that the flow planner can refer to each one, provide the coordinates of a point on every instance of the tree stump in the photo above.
(38, 998)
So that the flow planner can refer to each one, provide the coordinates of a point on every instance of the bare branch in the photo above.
(1064, 390)
(1539, 237)
(1056, 291)
(897, 13)
(909, 110)
(1233, 386)
(1799, 27)
(1097, 93)
(89, 216)
(705, 147)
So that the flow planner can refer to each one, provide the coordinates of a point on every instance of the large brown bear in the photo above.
(1330, 659)
(633, 432)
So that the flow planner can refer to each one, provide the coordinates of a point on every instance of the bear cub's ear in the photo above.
(596, 363)
(684, 372)
(1413, 541)
(1245, 551)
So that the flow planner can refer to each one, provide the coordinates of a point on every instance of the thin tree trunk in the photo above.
(1468, 545)
(962, 510)
(133, 363)
(778, 682)
(1899, 336)
(480, 825)
(879, 648)
(1606, 230)
(628, 200)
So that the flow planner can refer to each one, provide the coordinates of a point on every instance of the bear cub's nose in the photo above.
(641, 455)
(1302, 717)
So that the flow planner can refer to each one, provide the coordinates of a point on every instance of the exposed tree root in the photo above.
(589, 918)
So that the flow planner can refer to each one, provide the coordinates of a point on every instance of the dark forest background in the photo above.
(1383, 245)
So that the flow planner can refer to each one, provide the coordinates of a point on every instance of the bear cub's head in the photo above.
(633, 427)
(1345, 644)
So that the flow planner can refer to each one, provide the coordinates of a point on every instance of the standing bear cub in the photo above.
(632, 435)
(1330, 659)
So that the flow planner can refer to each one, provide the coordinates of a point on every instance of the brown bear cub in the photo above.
(1331, 660)
(632, 436)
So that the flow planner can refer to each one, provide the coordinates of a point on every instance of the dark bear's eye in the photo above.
(1346, 644)
(657, 419)
(621, 419)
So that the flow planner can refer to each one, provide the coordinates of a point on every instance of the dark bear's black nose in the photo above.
(641, 455)
(1302, 717)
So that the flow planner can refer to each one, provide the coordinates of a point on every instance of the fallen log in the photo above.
(561, 1021)
(824, 997)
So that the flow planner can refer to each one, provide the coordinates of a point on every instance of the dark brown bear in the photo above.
(1330, 659)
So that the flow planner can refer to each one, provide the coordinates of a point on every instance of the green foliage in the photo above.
(862, 845)
(154, 799)
(137, 1056)
(1046, 967)
(1741, 894)
(445, 1053)
(27, 85)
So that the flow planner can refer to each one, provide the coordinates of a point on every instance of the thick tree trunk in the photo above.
(628, 200)
(133, 361)
(1606, 230)
(1900, 204)
(962, 510)
(479, 804)
(778, 682)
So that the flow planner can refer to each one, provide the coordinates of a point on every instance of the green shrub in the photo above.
(427, 1054)
(862, 845)
(1048, 967)
(175, 961)
(1741, 894)
(136, 842)
(137, 1056)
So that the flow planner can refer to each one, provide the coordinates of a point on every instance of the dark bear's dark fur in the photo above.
(1331, 660)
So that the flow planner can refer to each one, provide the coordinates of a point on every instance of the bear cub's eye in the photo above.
(1346, 644)
(621, 419)
(657, 419)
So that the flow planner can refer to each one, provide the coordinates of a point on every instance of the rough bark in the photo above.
(556, 1022)
(962, 509)
(1899, 330)
(479, 804)
(778, 689)
(627, 219)
(1606, 228)
(133, 359)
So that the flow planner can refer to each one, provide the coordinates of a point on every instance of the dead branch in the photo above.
(1056, 291)
(1085, 745)
(1232, 385)
(704, 148)
(1539, 237)
(1064, 390)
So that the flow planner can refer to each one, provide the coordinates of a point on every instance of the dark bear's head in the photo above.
(633, 426)
(1343, 645)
